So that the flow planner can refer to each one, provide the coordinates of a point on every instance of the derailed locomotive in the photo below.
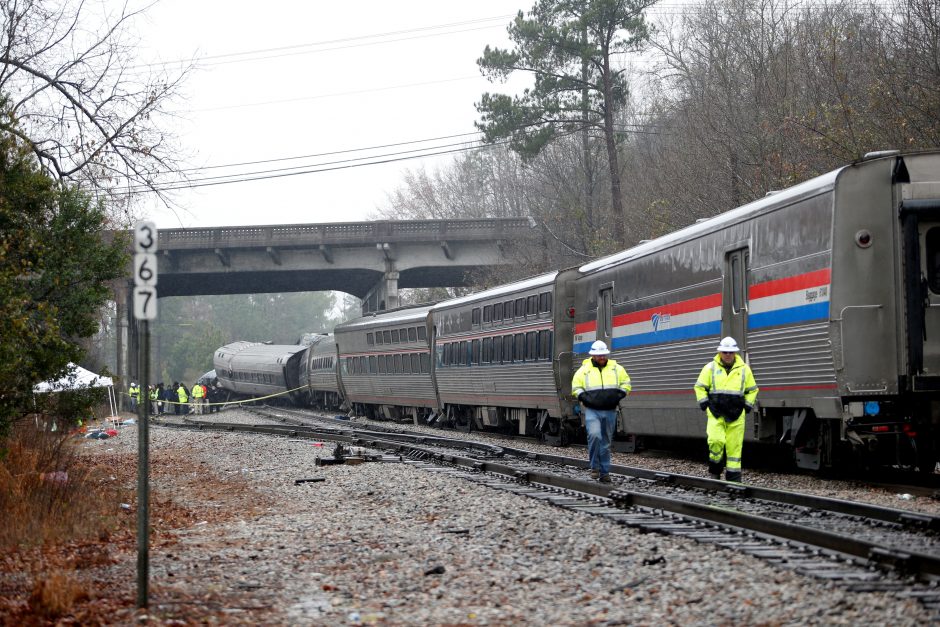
(831, 288)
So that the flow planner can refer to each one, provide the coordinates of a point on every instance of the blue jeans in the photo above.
(600, 425)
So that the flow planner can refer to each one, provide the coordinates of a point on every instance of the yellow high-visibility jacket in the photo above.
(729, 392)
(600, 388)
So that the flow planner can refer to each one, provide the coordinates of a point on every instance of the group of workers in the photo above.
(725, 391)
(178, 399)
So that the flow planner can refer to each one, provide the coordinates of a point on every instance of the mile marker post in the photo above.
(145, 309)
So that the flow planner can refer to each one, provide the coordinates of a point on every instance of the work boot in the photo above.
(604, 479)
(595, 474)
(733, 476)
(716, 476)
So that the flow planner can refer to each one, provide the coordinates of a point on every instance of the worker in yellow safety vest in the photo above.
(600, 384)
(198, 396)
(134, 392)
(726, 391)
(183, 397)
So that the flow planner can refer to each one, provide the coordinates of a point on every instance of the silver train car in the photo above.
(256, 370)
(318, 373)
(385, 365)
(503, 356)
(832, 290)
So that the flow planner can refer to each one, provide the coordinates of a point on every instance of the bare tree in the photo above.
(75, 98)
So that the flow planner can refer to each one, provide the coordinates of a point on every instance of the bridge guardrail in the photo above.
(345, 233)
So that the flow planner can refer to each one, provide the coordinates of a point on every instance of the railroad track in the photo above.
(863, 547)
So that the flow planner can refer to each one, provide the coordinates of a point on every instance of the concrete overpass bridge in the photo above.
(370, 260)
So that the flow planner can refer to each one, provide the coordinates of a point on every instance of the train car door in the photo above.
(605, 313)
(921, 227)
(734, 300)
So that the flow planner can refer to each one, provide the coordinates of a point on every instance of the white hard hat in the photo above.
(132, 383)
(728, 345)
(599, 348)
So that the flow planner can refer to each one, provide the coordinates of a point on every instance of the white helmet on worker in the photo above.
(728, 345)
(599, 348)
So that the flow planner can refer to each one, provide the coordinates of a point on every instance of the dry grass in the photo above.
(57, 508)
(55, 594)
(48, 493)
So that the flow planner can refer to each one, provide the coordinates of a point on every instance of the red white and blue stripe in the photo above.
(791, 300)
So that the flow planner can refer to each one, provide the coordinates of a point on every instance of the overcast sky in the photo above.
(281, 79)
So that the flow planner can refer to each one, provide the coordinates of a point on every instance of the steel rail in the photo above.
(837, 506)
(908, 562)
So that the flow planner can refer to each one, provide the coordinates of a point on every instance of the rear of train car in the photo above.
(318, 373)
(832, 290)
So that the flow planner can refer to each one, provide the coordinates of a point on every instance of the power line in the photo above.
(232, 57)
(328, 154)
(314, 170)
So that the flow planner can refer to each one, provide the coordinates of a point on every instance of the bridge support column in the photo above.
(122, 346)
(385, 294)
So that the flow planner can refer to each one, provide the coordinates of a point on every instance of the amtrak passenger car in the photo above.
(503, 355)
(256, 370)
(832, 290)
(385, 365)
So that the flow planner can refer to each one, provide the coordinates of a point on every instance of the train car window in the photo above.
(422, 334)
(387, 337)
(345, 363)
(737, 262)
(475, 317)
(475, 351)
(425, 363)
(412, 334)
(736, 300)
(395, 336)
(507, 310)
(519, 350)
(497, 349)
(520, 308)
(373, 367)
(403, 335)
(378, 337)
(488, 313)
(932, 254)
(415, 363)
(497, 312)
(545, 302)
(605, 312)
(486, 355)
(381, 364)
(444, 354)
(545, 344)
(370, 339)
(531, 345)
(406, 364)
(362, 365)
(532, 305)
(463, 354)
(507, 349)
(397, 359)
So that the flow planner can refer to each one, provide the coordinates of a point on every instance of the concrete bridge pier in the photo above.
(384, 295)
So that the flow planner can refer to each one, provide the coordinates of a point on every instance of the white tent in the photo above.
(77, 379)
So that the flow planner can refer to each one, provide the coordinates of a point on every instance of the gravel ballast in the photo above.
(389, 543)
